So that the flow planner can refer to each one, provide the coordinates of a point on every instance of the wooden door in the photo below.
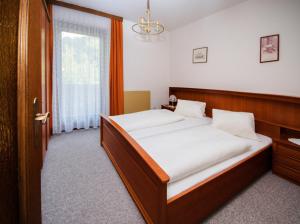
(32, 109)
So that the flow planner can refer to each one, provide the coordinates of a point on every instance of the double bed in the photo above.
(179, 169)
(188, 149)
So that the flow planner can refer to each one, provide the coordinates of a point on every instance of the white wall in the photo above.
(232, 37)
(147, 64)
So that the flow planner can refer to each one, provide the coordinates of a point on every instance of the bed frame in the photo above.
(147, 182)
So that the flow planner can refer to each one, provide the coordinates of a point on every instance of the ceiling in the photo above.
(171, 13)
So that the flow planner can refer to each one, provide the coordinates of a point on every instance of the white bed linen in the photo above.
(146, 119)
(168, 128)
(182, 153)
(179, 186)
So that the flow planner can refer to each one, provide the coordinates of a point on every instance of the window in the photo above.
(82, 51)
(80, 72)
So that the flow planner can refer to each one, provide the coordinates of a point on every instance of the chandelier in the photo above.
(146, 26)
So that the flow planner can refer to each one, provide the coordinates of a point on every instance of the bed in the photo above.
(193, 198)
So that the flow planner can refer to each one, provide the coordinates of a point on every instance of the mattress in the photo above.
(182, 185)
(179, 186)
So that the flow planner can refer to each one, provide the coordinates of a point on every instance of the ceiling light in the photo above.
(146, 26)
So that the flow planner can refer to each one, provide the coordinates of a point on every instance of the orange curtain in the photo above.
(116, 88)
(50, 79)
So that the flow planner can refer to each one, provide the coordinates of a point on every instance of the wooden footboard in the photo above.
(145, 180)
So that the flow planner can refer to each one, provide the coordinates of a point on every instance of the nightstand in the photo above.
(286, 159)
(168, 107)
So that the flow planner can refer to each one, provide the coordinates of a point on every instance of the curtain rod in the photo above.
(84, 9)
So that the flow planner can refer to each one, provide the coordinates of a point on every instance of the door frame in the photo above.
(23, 116)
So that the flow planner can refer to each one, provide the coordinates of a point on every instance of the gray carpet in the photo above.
(80, 186)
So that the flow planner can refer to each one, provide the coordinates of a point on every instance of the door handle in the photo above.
(42, 117)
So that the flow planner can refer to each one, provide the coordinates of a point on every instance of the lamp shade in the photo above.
(173, 99)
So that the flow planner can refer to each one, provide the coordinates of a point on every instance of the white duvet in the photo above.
(188, 151)
(146, 119)
(169, 128)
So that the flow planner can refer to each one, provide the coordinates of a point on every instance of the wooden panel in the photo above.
(283, 151)
(135, 101)
(34, 153)
(9, 16)
(286, 162)
(288, 173)
(280, 111)
(267, 129)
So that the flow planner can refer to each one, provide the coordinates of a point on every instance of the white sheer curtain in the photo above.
(80, 69)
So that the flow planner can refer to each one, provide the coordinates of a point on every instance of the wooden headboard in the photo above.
(276, 116)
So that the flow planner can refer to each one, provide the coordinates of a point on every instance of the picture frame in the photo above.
(200, 55)
(269, 48)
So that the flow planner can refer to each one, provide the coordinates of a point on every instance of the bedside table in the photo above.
(168, 107)
(286, 160)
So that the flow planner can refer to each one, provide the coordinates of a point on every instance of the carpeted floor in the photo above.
(80, 186)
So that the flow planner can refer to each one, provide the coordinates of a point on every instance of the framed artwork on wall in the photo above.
(269, 48)
(200, 55)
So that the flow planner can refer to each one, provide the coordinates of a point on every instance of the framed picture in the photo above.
(269, 48)
(200, 55)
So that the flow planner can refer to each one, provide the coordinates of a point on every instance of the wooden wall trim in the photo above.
(274, 114)
(84, 9)
(273, 97)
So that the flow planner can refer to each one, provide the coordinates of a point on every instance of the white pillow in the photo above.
(190, 108)
(237, 123)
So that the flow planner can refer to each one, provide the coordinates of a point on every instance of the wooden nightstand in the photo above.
(286, 160)
(168, 107)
